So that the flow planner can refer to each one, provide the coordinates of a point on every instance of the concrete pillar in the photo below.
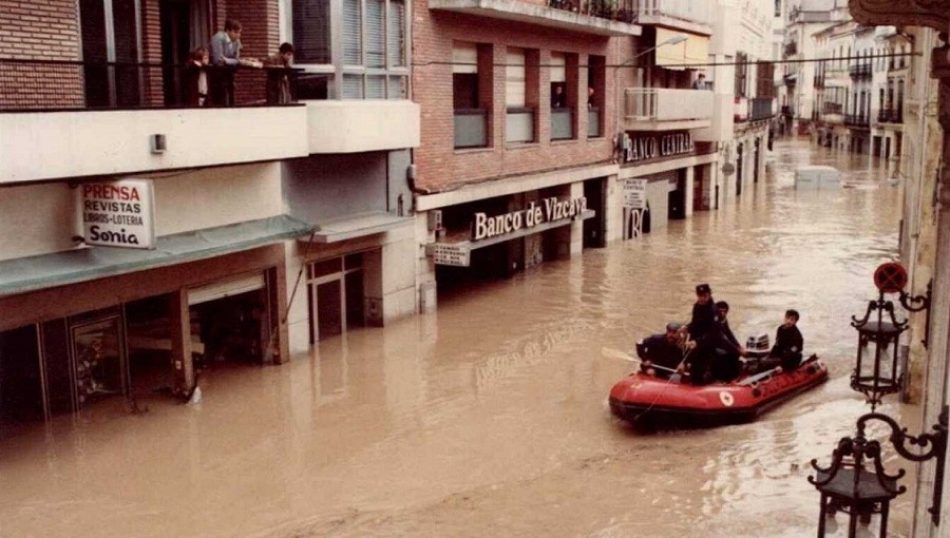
(690, 183)
(613, 205)
(298, 319)
(425, 268)
(179, 324)
(577, 227)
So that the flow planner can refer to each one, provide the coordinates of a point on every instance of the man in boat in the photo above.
(662, 350)
(704, 333)
(788, 342)
(726, 365)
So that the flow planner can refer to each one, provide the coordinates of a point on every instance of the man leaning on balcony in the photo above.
(226, 58)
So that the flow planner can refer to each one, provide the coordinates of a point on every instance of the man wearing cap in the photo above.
(704, 333)
(726, 365)
(661, 350)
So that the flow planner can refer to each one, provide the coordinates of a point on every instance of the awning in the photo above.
(458, 252)
(359, 225)
(82, 264)
(694, 50)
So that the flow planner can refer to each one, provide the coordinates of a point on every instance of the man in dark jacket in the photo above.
(661, 350)
(788, 342)
(704, 334)
(726, 365)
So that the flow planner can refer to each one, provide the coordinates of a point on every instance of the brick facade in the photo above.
(260, 34)
(39, 30)
(441, 166)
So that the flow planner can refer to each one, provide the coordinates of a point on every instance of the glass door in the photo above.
(99, 362)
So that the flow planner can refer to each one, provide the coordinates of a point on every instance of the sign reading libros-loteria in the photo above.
(119, 213)
(549, 210)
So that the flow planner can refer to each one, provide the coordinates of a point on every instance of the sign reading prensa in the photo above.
(119, 213)
(550, 210)
(635, 193)
(448, 254)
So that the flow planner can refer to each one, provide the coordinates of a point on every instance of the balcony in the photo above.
(80, 119)
(689, 15)
(593, 123)
(471, 128)
(661, 109)
(860, 71)
(519, 125)
(590, 17)
(890, 116)
(757, 109)
(856, 120)
(562, 124)
(831, 108)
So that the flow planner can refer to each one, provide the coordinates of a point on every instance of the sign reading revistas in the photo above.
(119, 213)
(550, 210)
(650, 146)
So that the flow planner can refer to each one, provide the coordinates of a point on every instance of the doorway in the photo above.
(184, 27)
(738, 169)
(98, 356)
(21, 378)
(110, 50)
(676, 199)
(595, 228)
(755, 161)
(336, 296)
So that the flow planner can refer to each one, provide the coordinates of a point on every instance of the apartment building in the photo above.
(148, 237)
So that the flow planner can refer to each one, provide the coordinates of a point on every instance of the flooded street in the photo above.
(489, 417)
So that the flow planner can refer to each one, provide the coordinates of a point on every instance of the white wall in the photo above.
(351, 126)
(36, 219)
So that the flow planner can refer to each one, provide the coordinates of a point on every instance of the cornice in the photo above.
(931, 13)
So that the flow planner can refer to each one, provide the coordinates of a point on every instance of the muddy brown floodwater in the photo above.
(489, 417)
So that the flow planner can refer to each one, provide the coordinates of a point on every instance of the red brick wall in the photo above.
(440, 166)
(260, 34)
(39, 30)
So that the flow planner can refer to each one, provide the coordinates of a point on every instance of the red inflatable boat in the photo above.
(644, 399)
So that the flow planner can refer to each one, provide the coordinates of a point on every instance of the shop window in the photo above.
(563, 94)
(98, 354)
(335, 296)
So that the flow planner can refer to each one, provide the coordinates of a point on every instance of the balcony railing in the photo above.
(831, 108)
(471, 128)
(27, 84)
(604, 9)
(519, 125)
(685, 10)
(667, 105)
(593, 122)
(856, 120)
(859, 71)
(562, 124)
(890, 116)
(761, 108)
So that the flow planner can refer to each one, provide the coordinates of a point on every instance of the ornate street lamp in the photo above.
(855, 482)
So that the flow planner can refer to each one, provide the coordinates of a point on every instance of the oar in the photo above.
(622, 355)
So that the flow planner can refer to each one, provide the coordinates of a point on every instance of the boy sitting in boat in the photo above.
(788, 342)
(664, 351)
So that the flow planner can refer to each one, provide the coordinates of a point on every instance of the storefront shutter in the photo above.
(311, 28)
(515, 78)
(464, 57)
(226, 288)
(352, 33)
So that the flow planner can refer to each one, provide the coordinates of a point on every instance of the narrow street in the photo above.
(489, 417)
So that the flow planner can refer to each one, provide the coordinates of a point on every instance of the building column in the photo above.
(179, 325)
(688, 195)
(577, 227)
(613, 205)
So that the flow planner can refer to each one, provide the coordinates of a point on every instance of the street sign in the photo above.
(635, 193)
(449, 254)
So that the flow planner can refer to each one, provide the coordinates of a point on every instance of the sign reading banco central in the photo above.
(639, 147)
(549, 210)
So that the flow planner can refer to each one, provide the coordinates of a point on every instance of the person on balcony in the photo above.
(196, 78)
(226, 58)
(700, 82)
(558, 98)
(278, 75)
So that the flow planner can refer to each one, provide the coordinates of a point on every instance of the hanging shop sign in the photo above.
(635, 193)
(645, 147)
(548, 210)
(452, 254)
(119, 213)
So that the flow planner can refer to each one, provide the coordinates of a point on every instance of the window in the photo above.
(471, 119)
(373, 61)
(596, 83)
(519, 118)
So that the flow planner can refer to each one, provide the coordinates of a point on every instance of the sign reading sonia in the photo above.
(647, 147)
(119, 213)
(635, 193)
(550, 210)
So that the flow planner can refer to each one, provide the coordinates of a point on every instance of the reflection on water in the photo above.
(489, 417)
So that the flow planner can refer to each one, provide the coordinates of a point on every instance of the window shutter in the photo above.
(558, 67)
(397, 33)
(515, 78)
(376, 33)
(352, 33)
(311, 28)
(464, 57)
